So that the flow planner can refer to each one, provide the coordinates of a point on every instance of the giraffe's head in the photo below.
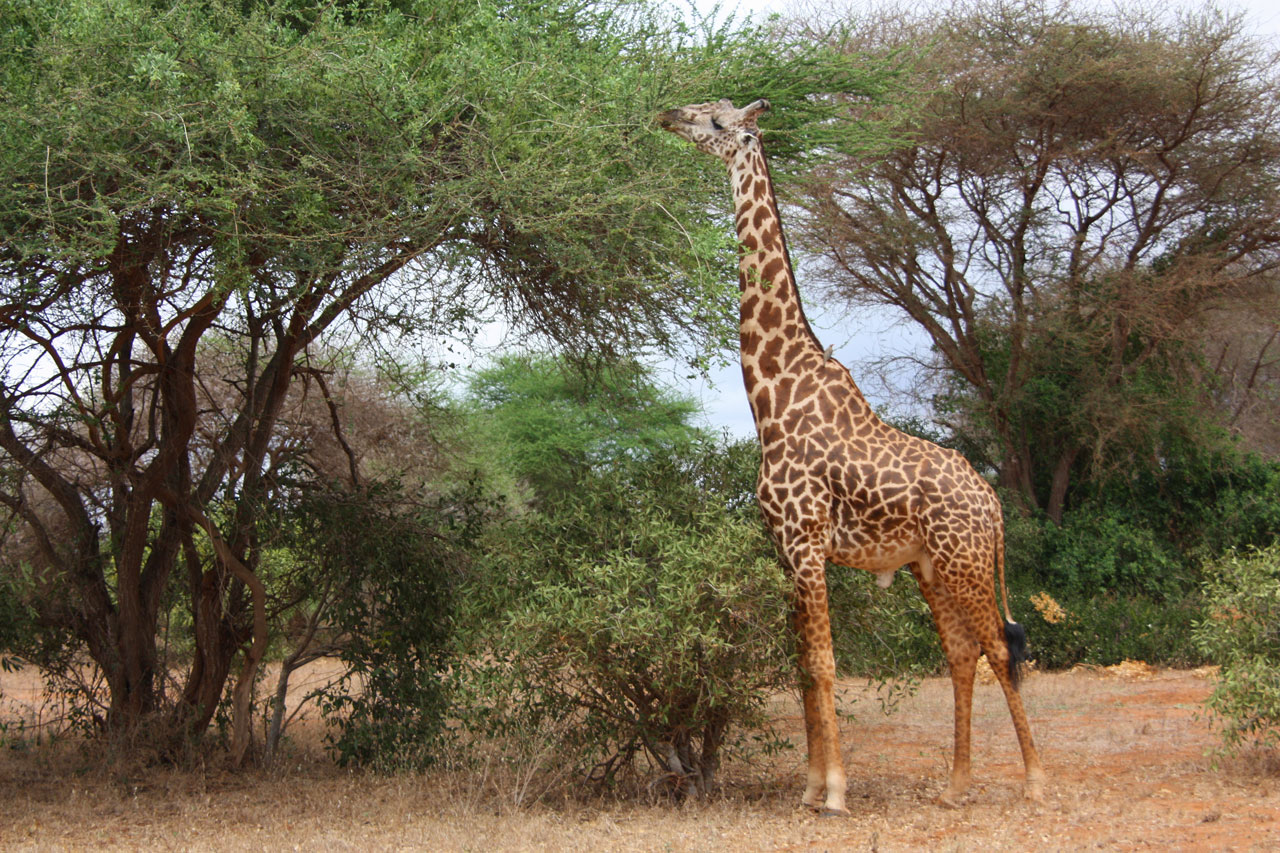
(716, 127)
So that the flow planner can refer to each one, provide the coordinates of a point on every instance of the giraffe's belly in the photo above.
(877, 557)
(877, 546)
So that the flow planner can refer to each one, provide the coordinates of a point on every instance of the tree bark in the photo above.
(1058, 487)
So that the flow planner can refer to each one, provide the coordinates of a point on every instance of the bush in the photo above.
(1106, 629)
(391, 604)
(634, 619)
(1105, 586)
(886, 635)
(1148, 534)
(1097, 550)
(1241, 633)
(1244, 510)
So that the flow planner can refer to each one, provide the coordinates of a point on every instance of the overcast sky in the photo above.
(858, 339)
(1264, 13)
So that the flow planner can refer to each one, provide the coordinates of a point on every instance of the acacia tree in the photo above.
(1243, 354)
(192, 192)
(1076, 193)
(545, 423)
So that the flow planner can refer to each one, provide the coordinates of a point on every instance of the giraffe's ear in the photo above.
(752, 110)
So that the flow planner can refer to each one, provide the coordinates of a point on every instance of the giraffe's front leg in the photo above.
(817, 658)
(816, 783)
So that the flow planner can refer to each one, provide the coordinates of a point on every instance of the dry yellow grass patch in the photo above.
(1126, 762)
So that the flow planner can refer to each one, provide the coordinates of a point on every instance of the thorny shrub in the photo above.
(1241, 633)
(643, 628)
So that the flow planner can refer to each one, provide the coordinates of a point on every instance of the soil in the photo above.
(1128, 751)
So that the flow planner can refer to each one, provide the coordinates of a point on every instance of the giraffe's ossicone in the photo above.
(838, 484)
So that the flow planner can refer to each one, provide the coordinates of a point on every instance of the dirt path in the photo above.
(1126, 755)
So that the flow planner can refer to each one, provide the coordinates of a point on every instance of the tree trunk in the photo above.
(302, 655)
(712, 737)
(131, 686)
(229, 562)
(216, 647)
(1058, 488)
(138, 564)
(276, 725)
(1015, 475)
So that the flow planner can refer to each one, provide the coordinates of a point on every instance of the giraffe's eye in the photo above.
(715, 125)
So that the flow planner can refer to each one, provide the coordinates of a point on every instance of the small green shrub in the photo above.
(618, 624)
(390, 614)
(1241, 633)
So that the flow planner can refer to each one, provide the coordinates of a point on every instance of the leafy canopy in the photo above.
(507, 148)
(200, 202)
(547, 424)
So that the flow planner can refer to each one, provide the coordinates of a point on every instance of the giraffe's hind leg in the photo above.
(962, 649)
(995, 642)
(979, 620)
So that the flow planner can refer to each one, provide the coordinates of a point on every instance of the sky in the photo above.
(1264, 13)
(857, 340)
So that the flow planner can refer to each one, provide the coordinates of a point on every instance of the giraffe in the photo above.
(838, 484)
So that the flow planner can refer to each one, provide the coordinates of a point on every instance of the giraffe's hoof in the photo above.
(1034, 790)
(950, 799)
(829, 812)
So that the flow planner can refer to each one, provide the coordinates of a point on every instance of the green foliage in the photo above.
(1241, 633)
(1215, 501)
(1072, 339)
(290, 133)
(883, 634)
(1147, 530)
(391, 572)
(645, 613)
(1098, 550)
(541, 424)
(1126, 563)
(507, 143)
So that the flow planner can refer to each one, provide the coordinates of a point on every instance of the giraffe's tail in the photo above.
(1015, 636)
(997, 521)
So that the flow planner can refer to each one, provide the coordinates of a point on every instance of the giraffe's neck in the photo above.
(774, 333)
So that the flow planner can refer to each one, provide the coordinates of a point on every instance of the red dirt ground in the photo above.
(1126, 750)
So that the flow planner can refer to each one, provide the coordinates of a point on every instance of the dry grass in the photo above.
(1126, 754)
